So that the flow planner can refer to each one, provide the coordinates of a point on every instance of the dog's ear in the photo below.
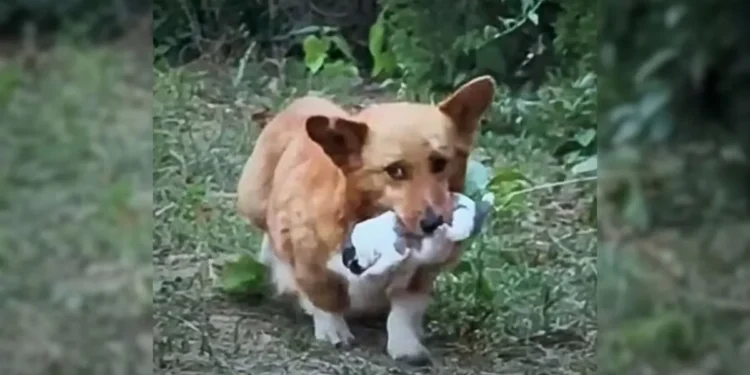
(467, 104)
(341, 139)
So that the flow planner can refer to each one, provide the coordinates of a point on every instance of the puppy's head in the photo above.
(408, 157)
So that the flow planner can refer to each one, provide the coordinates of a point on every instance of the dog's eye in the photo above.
(396, 171)
(438, 164)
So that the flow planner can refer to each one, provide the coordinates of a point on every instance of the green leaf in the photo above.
(384, 60)
(477, 178)
(377, 67)
(591, 164)
(534, 18)
(343, 46)
(377, 36)
(316, 52)
(586, 137)
(503, 175)
(385, 63)
(242, 276)
(311, 29)
(483, 288)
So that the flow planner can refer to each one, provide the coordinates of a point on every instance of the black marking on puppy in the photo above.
(349, 257)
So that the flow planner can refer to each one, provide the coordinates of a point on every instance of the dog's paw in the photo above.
(414, 354)
(420, 330)
(333, 329)
(408, 350)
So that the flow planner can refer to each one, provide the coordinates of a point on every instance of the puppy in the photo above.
(382, 253)
(376, 247)
(316, 170)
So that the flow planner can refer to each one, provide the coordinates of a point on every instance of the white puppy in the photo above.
(377, 247)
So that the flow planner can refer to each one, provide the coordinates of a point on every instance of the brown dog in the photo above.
(316, 170)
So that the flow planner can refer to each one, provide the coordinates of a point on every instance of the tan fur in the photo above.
(317, 169)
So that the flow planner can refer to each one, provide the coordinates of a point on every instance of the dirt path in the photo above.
(198, 331)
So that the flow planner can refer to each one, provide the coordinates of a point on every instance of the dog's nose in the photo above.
(430, 221)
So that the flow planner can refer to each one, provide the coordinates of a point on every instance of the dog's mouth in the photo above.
(426, 226)
(401, 229)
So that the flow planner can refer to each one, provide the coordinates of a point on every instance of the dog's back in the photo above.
(256, 182)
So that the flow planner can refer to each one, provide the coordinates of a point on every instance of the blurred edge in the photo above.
(75, 187)
(673, 208)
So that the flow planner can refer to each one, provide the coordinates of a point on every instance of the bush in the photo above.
(96, 20)
(516, 41)
(498, 38)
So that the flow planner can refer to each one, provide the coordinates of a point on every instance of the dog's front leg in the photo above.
(405, 327)
(329, 327)
(325, 297)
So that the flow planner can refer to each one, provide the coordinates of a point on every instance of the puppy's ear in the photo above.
(340, 138)
(467, 104)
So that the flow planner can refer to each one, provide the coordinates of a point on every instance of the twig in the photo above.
(226, 194)
(330, 14)
(223, 194)
(519, 23)
(185, 322)
(558, 242)
(549, 186)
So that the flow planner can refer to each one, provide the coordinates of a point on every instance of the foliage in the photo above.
(563, 112)
(485, 37)
(243, 275)
(576, 33)
(514, 40)
(673, 208)
(318, 51)
(384, 60)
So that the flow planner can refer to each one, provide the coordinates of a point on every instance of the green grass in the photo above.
(522, 299)
(75, 220)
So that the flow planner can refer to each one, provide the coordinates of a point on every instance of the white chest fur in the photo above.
(366, 296)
